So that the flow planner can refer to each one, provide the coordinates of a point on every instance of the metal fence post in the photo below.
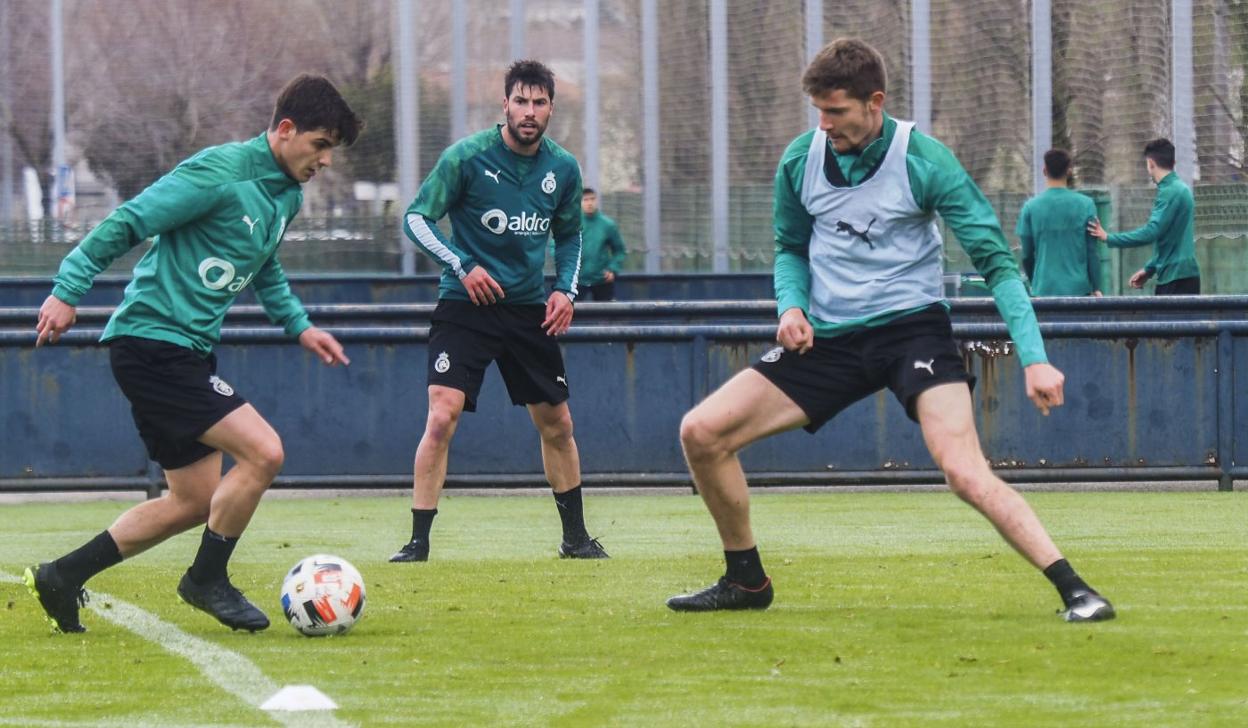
(1226, 409)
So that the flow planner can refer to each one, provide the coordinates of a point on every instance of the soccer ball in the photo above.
(323, 595)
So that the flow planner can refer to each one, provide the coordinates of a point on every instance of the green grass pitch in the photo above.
(892, 609)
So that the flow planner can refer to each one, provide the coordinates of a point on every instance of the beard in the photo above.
(522, 134)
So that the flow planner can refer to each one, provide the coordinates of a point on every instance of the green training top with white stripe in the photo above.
(503, 207)
(216, 221)
(1171, 227)
(939, 185)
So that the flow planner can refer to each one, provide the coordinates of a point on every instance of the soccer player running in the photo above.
(216, 222)
(506, 190)
(858, 279)
(1170, 229)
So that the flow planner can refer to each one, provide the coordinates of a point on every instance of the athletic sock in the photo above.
(572, 514)
(745, 568)
(214, 553)
(422, 522)
(89, 559)
(1066, 580)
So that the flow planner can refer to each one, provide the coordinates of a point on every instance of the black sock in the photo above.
(1066, 580)
(572, 513)
(745, 568)
(214, 553)
(89, 559)
(422, 521)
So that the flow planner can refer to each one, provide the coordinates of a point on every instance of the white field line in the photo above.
(226, 669)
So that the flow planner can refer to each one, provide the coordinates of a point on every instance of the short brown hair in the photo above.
(1057, 164)
(848, 64)
(529, 73)
(312, 102)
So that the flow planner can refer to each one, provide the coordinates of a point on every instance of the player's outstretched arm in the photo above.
(324, 345)
(558, 314)
(1044, 386)
(55, 318)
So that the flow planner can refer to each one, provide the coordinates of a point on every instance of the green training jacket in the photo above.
(938, 184)
(216, 221)
(1171, 227)
(503, 208)
(1059, 256)
(602, 248)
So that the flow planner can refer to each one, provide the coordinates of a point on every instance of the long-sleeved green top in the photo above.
(1060, 257)
(602, 248)
(1171, 227)
(503, 207)
(939, 184)
(216, 221)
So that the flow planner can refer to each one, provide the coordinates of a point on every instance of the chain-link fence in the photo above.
(667, 103)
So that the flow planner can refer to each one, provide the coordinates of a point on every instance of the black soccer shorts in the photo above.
(464, 338)
(908, 355)
(175, 396)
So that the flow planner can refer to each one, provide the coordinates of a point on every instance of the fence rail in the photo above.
(1150, 397)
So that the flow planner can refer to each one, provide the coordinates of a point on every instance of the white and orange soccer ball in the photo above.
(323, 595)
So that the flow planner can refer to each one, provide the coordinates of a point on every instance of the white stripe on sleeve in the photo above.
(420, 228)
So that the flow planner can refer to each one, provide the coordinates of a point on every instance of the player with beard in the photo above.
(507, 191)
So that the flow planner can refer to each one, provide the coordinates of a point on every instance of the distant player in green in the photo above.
(858, 278)
(507, 190)
(602, 249)
(216, 222)
(1170, 229)
(1060, 257)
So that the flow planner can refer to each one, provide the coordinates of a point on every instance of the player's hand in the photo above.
(1096, 231)
(1044, 386)
(1097, 294)
(55, 318)
(324, 345)
(481, 286)
(795, 332)
(558, 314)
(1139, 278)
(608, 276)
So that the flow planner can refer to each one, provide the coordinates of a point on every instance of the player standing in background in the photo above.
(506, 190)
(858, 278)
(602, 249)
(1171, 228)
(1060, 256)
(217, 220)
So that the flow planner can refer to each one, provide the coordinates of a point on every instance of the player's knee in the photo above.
(970, 481)
(440, 425)
(557, 429)
(698, 437)
(268, 456)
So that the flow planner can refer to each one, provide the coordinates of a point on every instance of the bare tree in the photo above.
(151, 81)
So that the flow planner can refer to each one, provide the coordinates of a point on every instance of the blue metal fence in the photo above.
(1151, 394)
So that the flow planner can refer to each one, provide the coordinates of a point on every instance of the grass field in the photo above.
(892, 609)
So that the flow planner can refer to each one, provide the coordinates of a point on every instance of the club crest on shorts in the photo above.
(442, 364)
(773, 355)
(222, 388)
(548, 183)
